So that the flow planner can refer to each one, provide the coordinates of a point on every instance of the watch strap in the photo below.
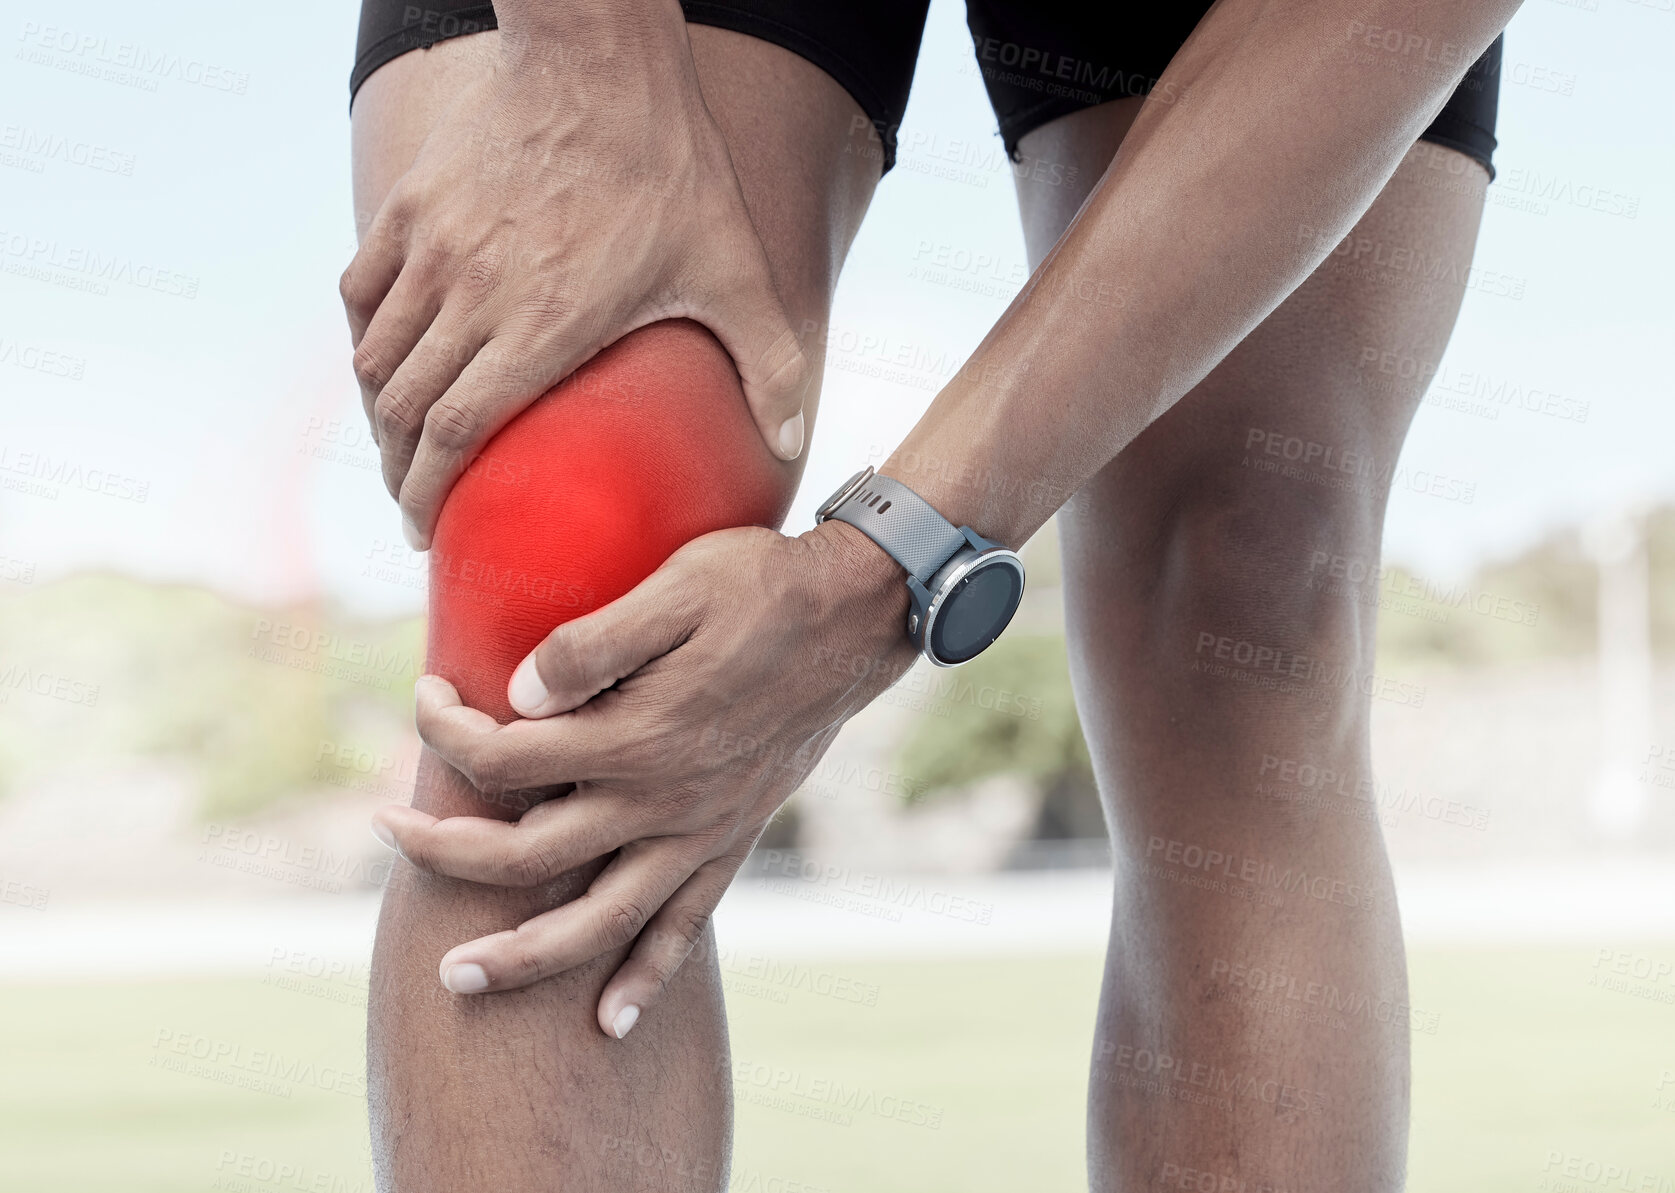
(903, 523)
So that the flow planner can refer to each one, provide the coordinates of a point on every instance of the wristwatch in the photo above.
(964, 588)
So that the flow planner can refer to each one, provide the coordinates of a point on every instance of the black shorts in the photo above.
(1040, 59)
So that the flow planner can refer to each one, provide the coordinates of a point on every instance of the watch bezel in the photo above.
(963, 567)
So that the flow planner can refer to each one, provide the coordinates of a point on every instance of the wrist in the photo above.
(861, 581)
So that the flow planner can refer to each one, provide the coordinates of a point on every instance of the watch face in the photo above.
(976, 610)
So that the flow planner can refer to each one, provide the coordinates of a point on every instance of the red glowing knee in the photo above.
(586, 493)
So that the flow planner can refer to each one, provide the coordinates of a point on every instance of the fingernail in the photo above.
(465, 979)
(410, 532)
(385, 837)
(526, 691)
(791, 436)
(625, 1020)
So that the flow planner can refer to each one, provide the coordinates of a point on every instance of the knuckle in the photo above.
(452, 424)
(480, 275)
(395, 413)
(531, 861)
(687, 926)
(487, 769)
(369, 369)
(349, 287)
(621, 920)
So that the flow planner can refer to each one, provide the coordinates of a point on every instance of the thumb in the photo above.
(583, 657)
(752, 324)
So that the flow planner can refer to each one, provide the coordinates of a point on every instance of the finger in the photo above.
(400, 322)
(610, 914)
(495, 758)
(583, 657)
(663, 946)
(481, 398)
(751, 323)
(549, 840)
(369, 276)
(403, 405)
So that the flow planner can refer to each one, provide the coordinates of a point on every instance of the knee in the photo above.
(585, 493)
(1272, 572)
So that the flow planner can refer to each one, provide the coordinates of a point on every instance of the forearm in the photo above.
(1265, 140)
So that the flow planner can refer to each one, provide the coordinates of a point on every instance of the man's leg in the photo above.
(1253, 1025)
(521, 1091)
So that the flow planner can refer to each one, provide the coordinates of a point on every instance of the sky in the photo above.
(189, 415)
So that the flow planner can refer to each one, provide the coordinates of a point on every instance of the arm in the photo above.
(1218, 205)
(1287, 120)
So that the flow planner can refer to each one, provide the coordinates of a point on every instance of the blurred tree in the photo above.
(256, 702)
(1009, 712)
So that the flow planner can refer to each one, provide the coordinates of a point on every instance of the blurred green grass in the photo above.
(1528, 1059)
